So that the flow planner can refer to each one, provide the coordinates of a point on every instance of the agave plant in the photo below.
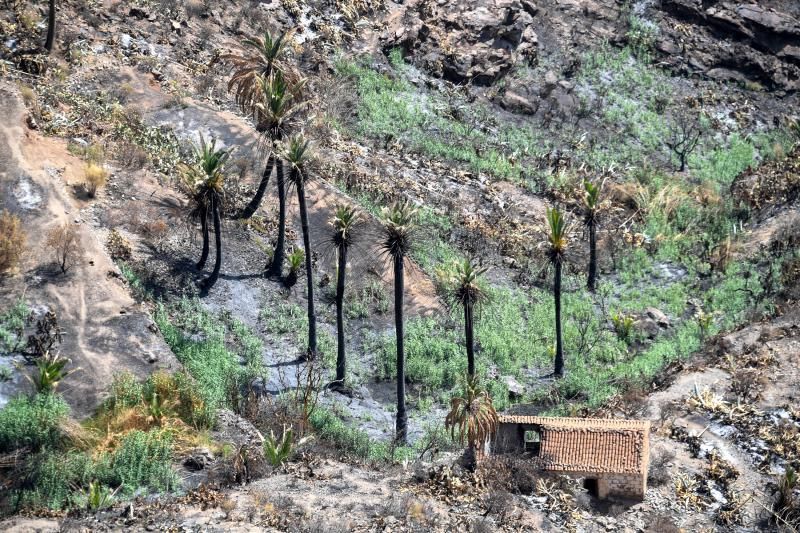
(99, 496)
(557, 240)
(398, 230)
(464, 288)
(472, 418)
(277, 451)
(50, 371)
(295, 263)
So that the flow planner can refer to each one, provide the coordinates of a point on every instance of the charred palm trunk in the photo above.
(276, 268)
(468, 330)
(559, 367)
(592, 281)
(312, 316)
(51, 27)
(401, 429)
(212, 279)
(204, 229)
(341, 361)
(254, 204)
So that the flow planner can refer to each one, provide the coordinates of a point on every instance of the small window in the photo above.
(533, 441)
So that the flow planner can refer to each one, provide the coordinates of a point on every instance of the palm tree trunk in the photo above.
(312, 317)
(592, 282)
(254, 204)
(468, 330)
(212, 279)
(559, 370)
(341, 361)
(276, 268)
(401, 431)
(204, 229)
(51, 27)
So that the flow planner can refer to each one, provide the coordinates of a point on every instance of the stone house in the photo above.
(611, 455)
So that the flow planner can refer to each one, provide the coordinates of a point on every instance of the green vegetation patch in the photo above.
(443, 127)
(220, 353)
(32, 422)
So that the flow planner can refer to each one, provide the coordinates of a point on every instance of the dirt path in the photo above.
(105, 330)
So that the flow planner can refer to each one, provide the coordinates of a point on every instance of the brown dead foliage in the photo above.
(774, 182)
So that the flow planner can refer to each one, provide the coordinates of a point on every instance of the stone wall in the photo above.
(625, 485)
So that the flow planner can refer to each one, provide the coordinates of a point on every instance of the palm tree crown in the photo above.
(279, 102)
(261, 60)
(557, 237)
(591, 202)
(297, 152)
(345, 219)
(398, 229)
(472, 418)
(464, 283)
(205, 177)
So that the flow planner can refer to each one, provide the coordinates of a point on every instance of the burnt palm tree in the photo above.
(398, 226)
(279, 114)
(345, 223)
(274, 113)
(297, 154)
(262, 57)
(557, 239)
(204, 182)
(51, 27)
(591, 207)
(464, 289)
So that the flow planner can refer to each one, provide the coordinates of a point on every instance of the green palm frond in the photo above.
(591, 201)
(279, 103)
(557, 236)
(203, 179)
(398, 229)
(296, 259)
(297, 151)
(345, 220)
(463, 283)
(263, 58)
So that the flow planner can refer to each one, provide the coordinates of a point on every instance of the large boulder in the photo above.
(473, 41)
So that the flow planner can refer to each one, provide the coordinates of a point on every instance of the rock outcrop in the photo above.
(737, 41)
(475, 41)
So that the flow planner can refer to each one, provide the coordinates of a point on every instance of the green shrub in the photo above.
(32, 422)
(12, 323)
(142, 460)
(53, 476)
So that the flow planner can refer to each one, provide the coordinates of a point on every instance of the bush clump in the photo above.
(94, 177)
(32, 422)
(143, 459)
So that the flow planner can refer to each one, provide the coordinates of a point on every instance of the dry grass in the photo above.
(95, 177)
(12, 241)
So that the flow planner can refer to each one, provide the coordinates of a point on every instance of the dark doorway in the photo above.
(590, 484)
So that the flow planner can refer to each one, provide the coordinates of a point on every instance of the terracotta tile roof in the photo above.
(590, 444)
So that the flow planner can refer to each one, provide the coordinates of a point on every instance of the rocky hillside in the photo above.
(483, 115)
